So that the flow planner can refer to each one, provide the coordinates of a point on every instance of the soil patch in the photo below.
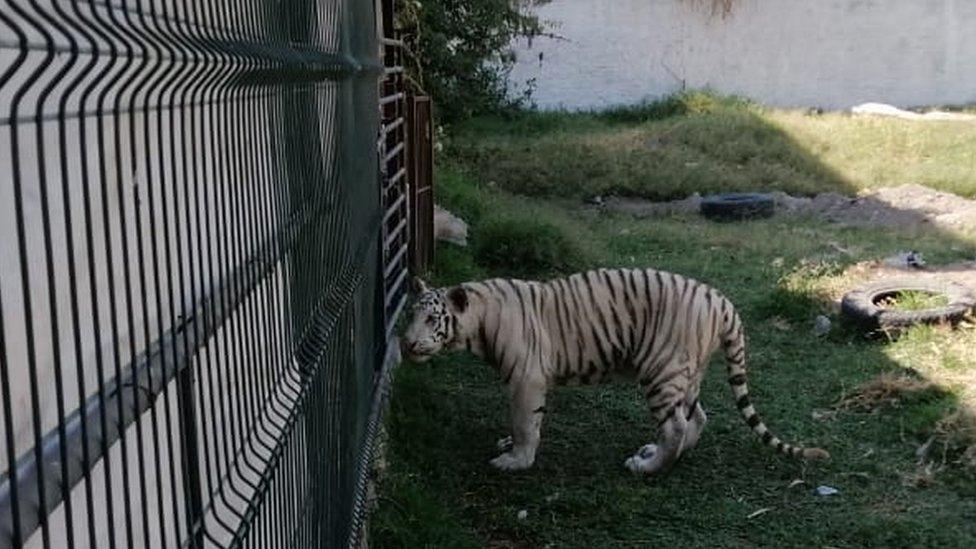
(902, 206)
(961, 273)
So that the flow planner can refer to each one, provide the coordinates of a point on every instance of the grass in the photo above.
(911, 300)
(698, 142)
(917, 392)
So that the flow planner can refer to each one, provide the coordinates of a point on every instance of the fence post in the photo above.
(420, 163)
(190, 455)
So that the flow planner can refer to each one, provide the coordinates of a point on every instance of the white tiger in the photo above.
(657, 327)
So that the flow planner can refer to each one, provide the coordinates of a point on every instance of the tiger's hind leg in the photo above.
(655, 458)
(696, 422)
(666, 398)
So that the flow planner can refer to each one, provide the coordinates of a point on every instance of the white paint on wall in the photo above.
(789, 53)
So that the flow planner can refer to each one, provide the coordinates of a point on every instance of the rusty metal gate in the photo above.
(421, 145)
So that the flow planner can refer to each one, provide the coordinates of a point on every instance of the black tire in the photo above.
(737, 206)
(861, 305)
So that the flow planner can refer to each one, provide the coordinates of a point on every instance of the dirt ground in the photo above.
(902, 206)
(962, 273)
(909, 206)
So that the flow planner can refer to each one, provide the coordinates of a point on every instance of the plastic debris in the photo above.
(825, 491)
(910, 259)
(523, 514)
(762, 511)
(821, 326)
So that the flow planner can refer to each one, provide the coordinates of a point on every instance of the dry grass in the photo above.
(944, 356)
(952, 443)
(887, 390)
(952, 439)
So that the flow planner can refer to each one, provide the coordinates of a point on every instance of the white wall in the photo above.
(791, 53)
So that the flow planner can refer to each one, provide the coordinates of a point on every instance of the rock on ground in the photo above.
(449, 228)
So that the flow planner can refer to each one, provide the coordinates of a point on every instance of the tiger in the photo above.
(654, 326)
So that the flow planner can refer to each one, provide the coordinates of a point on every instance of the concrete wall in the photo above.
(792, 53)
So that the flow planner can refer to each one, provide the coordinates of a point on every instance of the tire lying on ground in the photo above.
(737, 206)
(866, 307)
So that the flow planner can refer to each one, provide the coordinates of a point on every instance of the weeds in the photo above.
(913, 301)
(697, 102)
(889, 390)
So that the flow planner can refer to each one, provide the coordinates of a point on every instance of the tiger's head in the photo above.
(433, 324)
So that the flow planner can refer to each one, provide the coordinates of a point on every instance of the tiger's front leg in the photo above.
(527, 408)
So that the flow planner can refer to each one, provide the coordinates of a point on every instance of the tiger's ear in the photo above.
(418, 285)
(458, 298)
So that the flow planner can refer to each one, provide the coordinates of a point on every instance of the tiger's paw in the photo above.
(511, 462)
(504, 444)
(641, 462)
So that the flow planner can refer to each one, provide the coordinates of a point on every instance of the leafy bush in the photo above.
(460, 51)
(454, 265)
(527, 246)
(463, 198)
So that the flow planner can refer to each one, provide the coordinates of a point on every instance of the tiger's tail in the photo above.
(734, 345)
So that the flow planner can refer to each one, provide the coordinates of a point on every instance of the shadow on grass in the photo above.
(730, 491)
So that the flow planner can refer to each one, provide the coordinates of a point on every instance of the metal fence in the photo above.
(200, 267)
(420, 143)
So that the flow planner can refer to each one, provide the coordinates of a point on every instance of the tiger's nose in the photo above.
(409, 346)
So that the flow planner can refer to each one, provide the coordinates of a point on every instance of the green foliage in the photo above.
(460, 51)
(789, 305)
(524, 246)
(694, 102)
(455, 265)
(462, 197)
(911, 300)
(508, 236)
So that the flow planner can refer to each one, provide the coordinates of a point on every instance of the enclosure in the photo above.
(204, 213)
(547, 194)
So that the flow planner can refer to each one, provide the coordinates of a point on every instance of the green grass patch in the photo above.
(510, 237)
(446, 415)
(695, 102)
(912, 300)
(520, 246)
(699, 142)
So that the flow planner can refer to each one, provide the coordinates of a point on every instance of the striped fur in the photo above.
(657, 327)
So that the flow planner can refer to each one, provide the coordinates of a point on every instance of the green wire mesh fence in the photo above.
(202, 255)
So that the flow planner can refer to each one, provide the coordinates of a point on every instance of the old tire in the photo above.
(737, 206)
(862, 305)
